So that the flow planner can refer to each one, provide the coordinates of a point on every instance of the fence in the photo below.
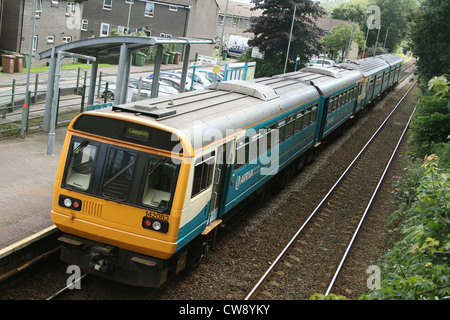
(71, 100)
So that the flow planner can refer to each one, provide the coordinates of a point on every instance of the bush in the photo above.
(417, 267)
(430, 126)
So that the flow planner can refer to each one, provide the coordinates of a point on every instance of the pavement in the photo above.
(27, 176)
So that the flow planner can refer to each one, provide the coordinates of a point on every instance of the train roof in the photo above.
(392, 59)
(327, 80)
(367, 66)
(225, 108)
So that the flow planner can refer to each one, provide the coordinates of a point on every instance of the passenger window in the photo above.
(255, 146)
(314, 114)
(242, 149)
(203, 173)
(81, 165)
(290, 126)
(299, 122)
(307, 117)
(270, 136)
(159, 183)
(281, 130)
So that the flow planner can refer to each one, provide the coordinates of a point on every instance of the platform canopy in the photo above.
(112, 45)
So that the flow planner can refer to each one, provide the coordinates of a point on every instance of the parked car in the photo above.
(200, 79)
(236, 51)
(177, 76)
(146, 89)
(320, 63)
(212, 76)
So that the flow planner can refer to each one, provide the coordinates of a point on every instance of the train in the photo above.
(142, 188)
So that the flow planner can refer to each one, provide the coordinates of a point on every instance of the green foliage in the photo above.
(269, 66)
(428, 38)
(340, 36)
(319, 296)
(272, 29)
(417, 267)
(150, 51)
(430, 126)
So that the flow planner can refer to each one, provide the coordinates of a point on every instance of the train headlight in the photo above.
(69, 202)
(155, 224)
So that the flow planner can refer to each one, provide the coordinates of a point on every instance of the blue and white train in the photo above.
(142, 187)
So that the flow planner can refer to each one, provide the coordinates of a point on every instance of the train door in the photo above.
(323, 119)
(218, 182)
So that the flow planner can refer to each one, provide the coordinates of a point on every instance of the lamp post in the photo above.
(25, 110)
(351, 35)
(290, 35)
(221, 35)
(328, 36)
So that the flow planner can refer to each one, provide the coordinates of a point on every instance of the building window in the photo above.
(70, 8)
(50, 39)
(84, 25)
(149, 9)
(38, 8)
(104, 30)
(34, 46)
(67, 39)
(107, 4)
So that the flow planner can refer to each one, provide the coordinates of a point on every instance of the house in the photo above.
(61, 21)
(57, 22)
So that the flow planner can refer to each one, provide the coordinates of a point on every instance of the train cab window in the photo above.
(242, 149)
(299, 121)
(256, 146)
(81, 165)
(290, 126)
(203, 173)
(159, 182)
(281, 130)
(118, 173)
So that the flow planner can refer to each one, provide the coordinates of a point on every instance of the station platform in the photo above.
(26, 189)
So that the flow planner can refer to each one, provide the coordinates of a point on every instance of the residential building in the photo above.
(238, 19)
(57, 22)
(62, 21)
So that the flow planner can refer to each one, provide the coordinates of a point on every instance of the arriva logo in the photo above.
(243, 178)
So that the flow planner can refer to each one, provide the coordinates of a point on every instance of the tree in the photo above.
(340, 36)
(428, 38)
(394, 15)
(272, 29)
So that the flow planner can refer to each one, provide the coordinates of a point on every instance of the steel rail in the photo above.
(344, 257)
(65, 288)
(272, 266)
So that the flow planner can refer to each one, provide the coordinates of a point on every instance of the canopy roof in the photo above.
(111, 45)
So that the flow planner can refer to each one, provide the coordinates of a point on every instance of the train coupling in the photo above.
(102, 258)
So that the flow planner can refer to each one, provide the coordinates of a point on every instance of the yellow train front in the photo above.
(116, 198)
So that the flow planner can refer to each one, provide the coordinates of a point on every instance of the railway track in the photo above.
(327, 235)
